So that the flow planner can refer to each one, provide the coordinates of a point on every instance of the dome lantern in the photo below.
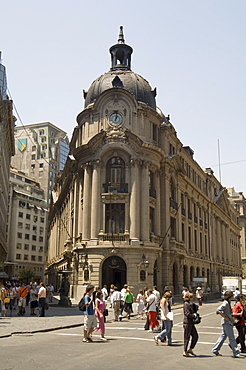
(121, 53)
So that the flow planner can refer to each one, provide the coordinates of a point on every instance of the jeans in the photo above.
(41, 304)
(227, 331)
(241, 336)
(167, 332)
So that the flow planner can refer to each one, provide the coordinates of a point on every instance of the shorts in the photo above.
(90, 322)
(22, 302)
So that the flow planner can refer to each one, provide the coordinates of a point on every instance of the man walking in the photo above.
(116, 300)
(90, 321)
(227, 327)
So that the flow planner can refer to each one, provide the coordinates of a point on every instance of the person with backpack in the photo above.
(224, 310)
(90, 321)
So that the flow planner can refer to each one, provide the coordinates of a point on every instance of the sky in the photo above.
(193, 51)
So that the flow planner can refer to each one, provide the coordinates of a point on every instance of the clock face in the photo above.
(116, 119)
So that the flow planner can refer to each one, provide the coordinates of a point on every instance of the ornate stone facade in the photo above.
(132, 205)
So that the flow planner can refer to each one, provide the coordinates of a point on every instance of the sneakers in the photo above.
(216, 353)
(239, 356)
(104, 339)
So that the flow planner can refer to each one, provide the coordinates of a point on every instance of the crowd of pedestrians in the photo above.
(18, 296)
(157, 311)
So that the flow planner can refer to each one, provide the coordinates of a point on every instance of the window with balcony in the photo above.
(115, 174)
(115, 218)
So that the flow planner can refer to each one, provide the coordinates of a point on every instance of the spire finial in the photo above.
(121, 36)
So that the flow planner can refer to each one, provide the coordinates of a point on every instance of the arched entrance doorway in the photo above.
(114, 272)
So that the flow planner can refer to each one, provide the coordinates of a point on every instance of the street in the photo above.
(128, 347)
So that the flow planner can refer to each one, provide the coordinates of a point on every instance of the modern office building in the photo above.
(27, 234)
(132, 205)
(41, 151)
(7, 149)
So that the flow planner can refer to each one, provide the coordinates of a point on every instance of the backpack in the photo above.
(81, 305)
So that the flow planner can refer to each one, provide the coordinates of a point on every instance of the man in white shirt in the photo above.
(116, 300)
(104, 292)
(123, 294)
(157, 294)
(42, 300)
(151, 309)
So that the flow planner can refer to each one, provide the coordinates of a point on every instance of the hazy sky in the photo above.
(193, 51)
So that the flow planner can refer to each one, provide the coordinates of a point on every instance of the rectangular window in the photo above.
(183, 232)
(28, 216)
(41, 249)
(21, 214)
(41, 165)
(33, 148)
(27, 236)
(27, 226)
(41, 239)
(154, 132)
(25, 257)
(33, 258)
(34, 237)
(42, 219)
(33, 157)
(26, 247)
(18, 256)
(18, 246)
(115, 218)
(33, 247)
(20, 225)
(19, 235)
(40, 258)
(173, 227)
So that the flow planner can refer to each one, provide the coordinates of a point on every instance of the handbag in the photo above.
(197, 319)
(6, 300)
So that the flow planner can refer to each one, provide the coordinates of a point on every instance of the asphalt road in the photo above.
(128, 347)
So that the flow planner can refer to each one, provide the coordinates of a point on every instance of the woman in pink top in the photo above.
(99, 310)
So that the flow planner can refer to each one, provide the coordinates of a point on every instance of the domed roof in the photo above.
(121, 76)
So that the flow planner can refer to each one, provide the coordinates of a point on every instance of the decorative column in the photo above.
(75, 210)
(86, 202)
(144, 227)
(135, 201)
(80, 213)
(157, 218)
(95, 201)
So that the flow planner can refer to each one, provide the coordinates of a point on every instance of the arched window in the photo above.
(116, 172)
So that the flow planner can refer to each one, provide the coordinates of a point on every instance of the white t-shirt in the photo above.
(105, 293)
(167, 311)
(151, 301)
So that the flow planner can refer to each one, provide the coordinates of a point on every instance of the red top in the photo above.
(237, 309)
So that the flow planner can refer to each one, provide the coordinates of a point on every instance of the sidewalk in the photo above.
(56, 318)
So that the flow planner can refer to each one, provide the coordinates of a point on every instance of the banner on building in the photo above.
(22, 143)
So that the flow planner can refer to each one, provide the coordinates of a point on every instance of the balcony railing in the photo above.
(114, 237)
(116, 188)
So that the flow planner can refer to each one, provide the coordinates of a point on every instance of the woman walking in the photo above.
(140, 304)
(238, 311)
(166, 317)
(99, 310)
(189, 327)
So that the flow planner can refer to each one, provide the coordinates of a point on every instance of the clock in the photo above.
(116, 119)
